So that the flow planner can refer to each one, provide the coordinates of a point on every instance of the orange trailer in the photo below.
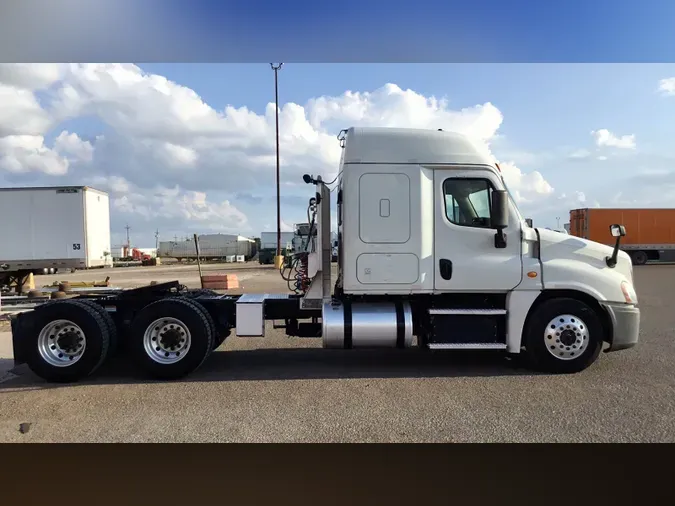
(650, 233)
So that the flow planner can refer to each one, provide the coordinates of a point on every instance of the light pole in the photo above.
(276, 67)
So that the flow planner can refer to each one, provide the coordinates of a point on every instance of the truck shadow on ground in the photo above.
(308, 364)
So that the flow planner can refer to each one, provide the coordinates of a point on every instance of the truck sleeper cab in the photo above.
(432, 253)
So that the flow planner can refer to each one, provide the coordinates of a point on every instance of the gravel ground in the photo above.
(279, 389)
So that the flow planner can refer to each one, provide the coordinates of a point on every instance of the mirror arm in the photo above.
(500, 238)
(611, 261)
(621, 231)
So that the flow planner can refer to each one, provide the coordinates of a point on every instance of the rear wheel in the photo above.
(68, 341)
(171, 338)
(218, 338)
(109, 323)
(563, 336)
(639, 258)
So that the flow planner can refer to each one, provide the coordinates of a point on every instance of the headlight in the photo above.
(628, 292)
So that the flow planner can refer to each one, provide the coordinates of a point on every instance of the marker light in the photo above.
(628, 292)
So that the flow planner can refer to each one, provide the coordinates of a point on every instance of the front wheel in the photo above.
(563, 336)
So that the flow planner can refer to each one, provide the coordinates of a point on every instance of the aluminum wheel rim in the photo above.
(566, 337)
(167, 340)
(61, 343)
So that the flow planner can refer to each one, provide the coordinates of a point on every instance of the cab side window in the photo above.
(468, 201)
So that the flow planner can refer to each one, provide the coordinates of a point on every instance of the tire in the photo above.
(639, 258)
(109, 322)
(556, 350)
(70, 320)
(218, 339)
(170, 338)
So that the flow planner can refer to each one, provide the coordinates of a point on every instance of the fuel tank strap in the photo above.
(400, 326)
(348, 325)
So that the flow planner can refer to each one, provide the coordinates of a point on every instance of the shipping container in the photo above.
(650, 233)
(54, 227)
(211, 246)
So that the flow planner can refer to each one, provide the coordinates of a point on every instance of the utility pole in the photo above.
(558, 220)
(157, 239)
(128, 240)
(276, 68)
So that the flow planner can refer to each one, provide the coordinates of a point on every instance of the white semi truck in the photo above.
(432, 253)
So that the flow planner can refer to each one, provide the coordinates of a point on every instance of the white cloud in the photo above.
(667, 86)
(169, 158)
(21, 154)
(71, 144)
(285, 227)
(580, 154)
(173, 203)
(20, 112)
(178, 156)
(604, 137)
(172, 210)
(31, 76)
(524, 187)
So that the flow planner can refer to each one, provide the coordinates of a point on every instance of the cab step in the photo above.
(467, 346)
(468, 312)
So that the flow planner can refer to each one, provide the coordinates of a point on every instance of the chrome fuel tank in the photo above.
(367, 325)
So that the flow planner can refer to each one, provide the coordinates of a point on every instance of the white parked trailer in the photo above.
(54, 227)
(210, 246)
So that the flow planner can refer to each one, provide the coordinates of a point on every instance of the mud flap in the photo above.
(18, 325)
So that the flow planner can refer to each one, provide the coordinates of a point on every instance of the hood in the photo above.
(557, 245)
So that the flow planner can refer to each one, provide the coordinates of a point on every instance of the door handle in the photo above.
(445, 266)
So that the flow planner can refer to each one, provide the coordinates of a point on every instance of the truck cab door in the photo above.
(465, 256)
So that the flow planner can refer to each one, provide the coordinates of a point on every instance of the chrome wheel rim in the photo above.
(61, 343)
(566, 337)
(167, 340)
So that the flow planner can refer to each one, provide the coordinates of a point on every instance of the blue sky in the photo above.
(541, 102)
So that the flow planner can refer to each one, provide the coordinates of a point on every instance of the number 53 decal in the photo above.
(76, 246)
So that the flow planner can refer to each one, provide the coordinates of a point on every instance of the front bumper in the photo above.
(625, 325)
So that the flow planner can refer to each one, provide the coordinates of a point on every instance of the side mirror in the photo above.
(500, 216)
(500, 209)
(617, 231)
